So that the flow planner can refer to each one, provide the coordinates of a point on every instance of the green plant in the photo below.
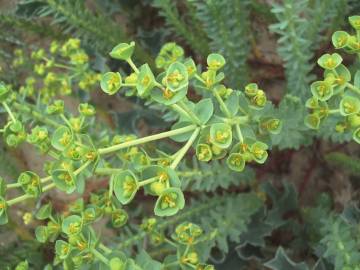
(225, 124)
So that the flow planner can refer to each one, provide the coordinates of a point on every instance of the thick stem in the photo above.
(107, 171)
(100, 256)
(110, 149)
(238, 131)
(184, 149)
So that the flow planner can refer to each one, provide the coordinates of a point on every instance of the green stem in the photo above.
(105, 248)
(14, 185)
(39, 116)
(107, 171)
(196, 76)
(222, 104)
(190, 112)
(82, 167)
(334, 111)
(150, 138)
(184, 149)
(181, 111)
(170, 242)
(27, 196)
(62, 116)
(133, 66)
(238, 131)
(9, 111)
(148, 181)
(100, 256)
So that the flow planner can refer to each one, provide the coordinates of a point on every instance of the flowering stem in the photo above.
(238, 131)
(40, 117)
(107, 171)
(100, 256)
(181, 111)
(150, 138)
(9, 111)
(189, 112)
(184, 149)
(133, 66)
(148, 181)
(46, 188)
(105, 248)
(222, 104)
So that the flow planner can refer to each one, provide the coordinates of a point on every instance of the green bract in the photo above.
(3, 212)
(111, 82)
(312, 121)
(236, 162)
(349, 105)
(187, 233)
(62, 249)
(125, 186)
(356, 135)
(221, 135)
(169, 53)
(330, 61)
(123, 51)
(176, 78)
(64, 180)
(42, 234)
(166, 177)
(215, 61)
(203, 152)
(119, 218)
(72, 225)
(271, 125)
(30, 183)
(322, 90)
(61, 138)
(258, 151)
(169, 202)
(355, 22)
(340, 39)
(56, 108)
(145, 81)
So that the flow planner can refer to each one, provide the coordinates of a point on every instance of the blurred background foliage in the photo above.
(272, 43)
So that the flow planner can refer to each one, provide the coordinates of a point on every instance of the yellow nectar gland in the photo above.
(341, 40)
(163, 177)
(258, 152)
(167, 94)
(236, 160)
(2, 205)
(244, 147)
(330, 63)
(74, 227)
(81, 245)
(42, 135)
(169, 201)
(65, 139)
(114, 80)
(204, 152)
(145, 81)
(214, 64)
(221, 136)
(35, 181)
(349, 108)
(129, 184)
(65, 249)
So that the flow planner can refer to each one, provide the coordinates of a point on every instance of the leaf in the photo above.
(144, 260)
(281, 262)
(204, 109)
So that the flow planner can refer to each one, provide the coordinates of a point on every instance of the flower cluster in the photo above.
(56, 70)
(338, 94)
